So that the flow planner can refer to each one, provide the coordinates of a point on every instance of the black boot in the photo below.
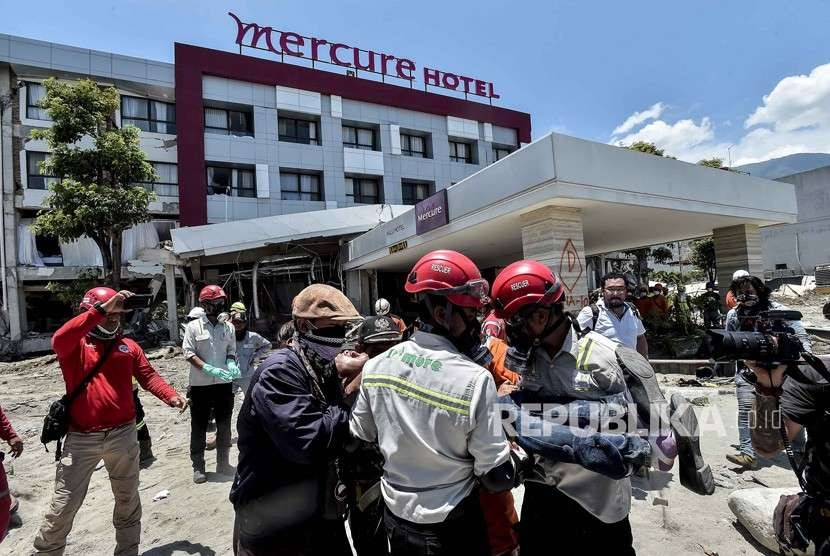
(145, 457)
(223, 464)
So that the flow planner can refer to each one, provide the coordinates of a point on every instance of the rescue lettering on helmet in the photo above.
(520, 285)
(441, 268)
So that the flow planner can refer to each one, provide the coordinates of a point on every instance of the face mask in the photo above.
(103, 334)
(522, 347)
(213, 307)
(747, 299)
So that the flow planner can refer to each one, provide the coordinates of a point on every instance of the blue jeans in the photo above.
(608, 454)
(745, 392)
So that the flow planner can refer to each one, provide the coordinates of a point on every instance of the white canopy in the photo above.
(240, 235)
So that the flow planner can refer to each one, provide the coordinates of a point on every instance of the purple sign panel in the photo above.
(431, 213)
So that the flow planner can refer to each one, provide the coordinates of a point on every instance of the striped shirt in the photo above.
(431, 410)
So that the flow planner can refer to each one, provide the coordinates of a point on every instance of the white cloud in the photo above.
(637, 118)
(682, 139)
(793, 118)
(796, 102)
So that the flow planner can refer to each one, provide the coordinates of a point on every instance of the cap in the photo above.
(321, 301)
(196, 313)
(238, 307)
(374, 330)
(739, 274)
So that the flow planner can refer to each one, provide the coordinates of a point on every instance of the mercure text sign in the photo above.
(252, 35)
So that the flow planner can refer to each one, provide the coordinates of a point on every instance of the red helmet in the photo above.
(95, 295)
(524, 283)
(450, 274)
(211, 292)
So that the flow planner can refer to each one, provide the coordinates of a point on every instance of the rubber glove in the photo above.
(218, 372)
(233, 369)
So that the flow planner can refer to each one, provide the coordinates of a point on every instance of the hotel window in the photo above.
(148, 115)
(360, 137)
(295, 130)
(501, 152)
(236, 182)
(35, 179)
(415, 191)
(461, 152)
(413, 145)
(167, 184)
(35, 92)
(229, 122)
(363, 190)
(300, 187)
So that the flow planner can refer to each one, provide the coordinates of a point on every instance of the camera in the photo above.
(771, 341)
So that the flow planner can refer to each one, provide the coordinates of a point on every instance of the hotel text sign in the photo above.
(320, 50)
(431, 213)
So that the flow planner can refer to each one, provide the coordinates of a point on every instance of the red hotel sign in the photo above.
(320, 50)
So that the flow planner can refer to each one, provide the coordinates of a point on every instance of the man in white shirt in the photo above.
(613, 317)
(209, 345)
(430, 407)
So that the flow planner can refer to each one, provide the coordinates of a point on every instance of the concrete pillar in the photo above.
(170, 287)
(737, 248)
(359, 290)
(553, 236)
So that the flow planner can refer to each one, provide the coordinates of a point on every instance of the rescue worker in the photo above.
(430, 407)
(362, 464)
(493, 327)
(586, 512)
(292, 426)
(250, 346)
(101, 419)
(209, 346)
(8, 435)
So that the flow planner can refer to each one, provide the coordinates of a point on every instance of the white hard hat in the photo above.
(382, 307)
(196, 313)
(739, 274)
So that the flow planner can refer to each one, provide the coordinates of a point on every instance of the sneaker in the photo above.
(695, 473)
(199, 476)
(743, 460)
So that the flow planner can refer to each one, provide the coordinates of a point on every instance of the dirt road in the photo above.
(198, 519)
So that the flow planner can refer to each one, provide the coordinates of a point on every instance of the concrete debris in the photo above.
(700, 401)
(754, 509)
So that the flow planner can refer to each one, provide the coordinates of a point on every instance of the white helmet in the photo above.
(382, 307)
(739, 274)
(195, 313)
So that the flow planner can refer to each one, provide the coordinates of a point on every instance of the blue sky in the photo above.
(698, 71)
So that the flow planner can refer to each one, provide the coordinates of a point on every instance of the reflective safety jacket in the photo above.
(432, 412)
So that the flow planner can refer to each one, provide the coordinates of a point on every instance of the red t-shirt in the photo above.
(107, 401)
(6, 429)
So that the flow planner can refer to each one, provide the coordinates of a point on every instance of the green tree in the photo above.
(646, 147)
(98, 165)
(711, 162)
(660, 254)
(702, 256)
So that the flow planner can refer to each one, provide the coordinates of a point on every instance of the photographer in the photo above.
(752, 297)
(801, 396)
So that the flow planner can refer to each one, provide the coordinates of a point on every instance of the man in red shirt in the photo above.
(16, 445)
(101, 419)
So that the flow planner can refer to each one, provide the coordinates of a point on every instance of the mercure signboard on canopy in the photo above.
(283, 43)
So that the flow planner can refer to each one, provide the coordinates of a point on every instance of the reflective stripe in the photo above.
(140, 425)
(427, 391)
(429, 397)
(584, 353)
